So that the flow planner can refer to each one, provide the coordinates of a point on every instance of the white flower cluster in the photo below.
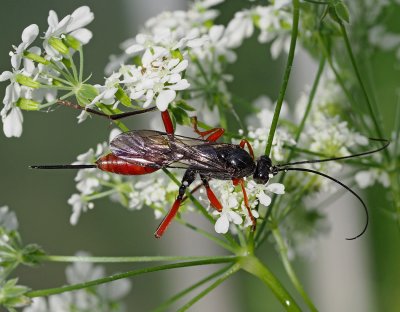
(32, 84)
(274, 22)
(234, 209)
(134, 192)
(102, 298)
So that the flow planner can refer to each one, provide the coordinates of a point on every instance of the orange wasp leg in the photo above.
(244, 143)
(211, 196)
(246, 202)
(214, 134)
(187, 179)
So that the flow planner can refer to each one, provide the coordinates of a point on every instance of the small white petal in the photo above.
(12, 123)
(277, 188)
(222, 224)
(134, 49)
(180, 67)
(174, 78)
(236, 218)
(264, 199)
(172, 63)
(216, 32)
(364, 179)
(114, 132)
(80, 18)
(52, 20)
(164, 98)
(181, 85)
(6, 75)
(29, 34)
(83, 35)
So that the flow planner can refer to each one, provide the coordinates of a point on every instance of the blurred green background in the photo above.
(40, 197)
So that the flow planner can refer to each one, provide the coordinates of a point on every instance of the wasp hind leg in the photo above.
(188, 178)
(213, 134)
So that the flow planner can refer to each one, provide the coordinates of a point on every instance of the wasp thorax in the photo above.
(264, 170)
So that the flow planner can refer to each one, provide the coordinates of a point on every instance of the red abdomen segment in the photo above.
(112, 163)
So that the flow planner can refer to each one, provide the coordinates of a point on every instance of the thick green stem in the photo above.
(260, 235)
(59, 290)
(56, 258)
(214, 285)
(289, 269)
(254, 266)
(181, 294)
(282, 92)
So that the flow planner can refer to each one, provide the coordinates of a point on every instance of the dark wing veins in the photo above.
(158, 149)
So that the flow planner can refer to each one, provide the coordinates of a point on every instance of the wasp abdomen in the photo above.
(112, 163)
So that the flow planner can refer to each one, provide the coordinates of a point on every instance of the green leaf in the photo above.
(180, 116)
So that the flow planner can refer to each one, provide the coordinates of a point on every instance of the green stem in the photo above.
(207, 235)
(55, 101)
(300, 129)
(360, 81)
(181, 294)
(395, 187)
(282, 92)
(99, 195)
(289, 269)
(56, 258)
(254, 266)
(80, 63)
(339, 79)
(59, 290)
(233, 269)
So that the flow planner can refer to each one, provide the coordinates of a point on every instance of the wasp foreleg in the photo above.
(210, 194)
(246, 202)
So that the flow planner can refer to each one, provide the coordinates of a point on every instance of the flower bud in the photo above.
(72, 42)
(59, 45)
(36, 58)
(26, 104)
(28, 81)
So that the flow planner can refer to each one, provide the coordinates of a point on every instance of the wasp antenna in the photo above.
(62, 166)
(385, 145)
(341, 184)
(112, 117)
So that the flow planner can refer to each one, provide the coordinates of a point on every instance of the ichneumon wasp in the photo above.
(140, 152)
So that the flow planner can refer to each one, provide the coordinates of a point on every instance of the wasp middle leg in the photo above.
(188, 178)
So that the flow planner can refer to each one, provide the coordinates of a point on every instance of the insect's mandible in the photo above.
(140, 152)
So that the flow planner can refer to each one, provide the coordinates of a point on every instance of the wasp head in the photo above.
(264, 170)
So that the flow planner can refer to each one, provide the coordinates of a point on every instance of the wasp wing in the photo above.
(159, 149)
(144, 147)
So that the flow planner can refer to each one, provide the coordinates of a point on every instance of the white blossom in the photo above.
(8, 219)
(71, 24)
